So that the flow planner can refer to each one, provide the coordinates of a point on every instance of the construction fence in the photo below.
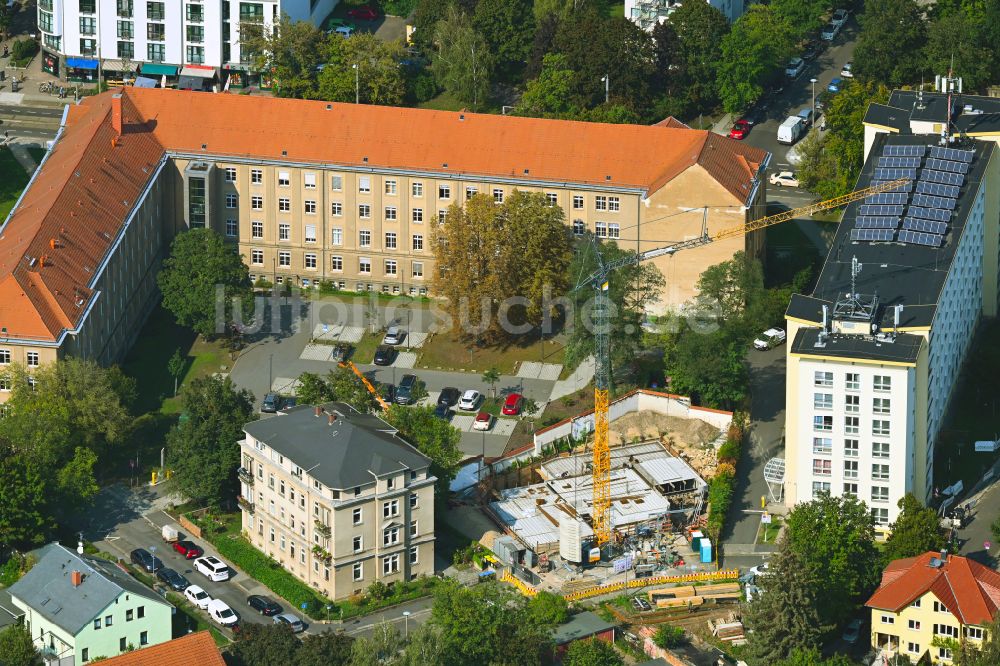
(599, 590)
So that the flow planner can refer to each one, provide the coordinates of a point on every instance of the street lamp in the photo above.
(607, 82)
(406, 624)
(813, 82)
(357, 84)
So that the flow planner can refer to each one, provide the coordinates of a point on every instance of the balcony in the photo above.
(322, 529)
(322, 554)
(245, 476)
(245, 504)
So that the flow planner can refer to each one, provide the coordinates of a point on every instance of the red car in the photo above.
(363, 13)
(512, 405)
(740, 129)
(189, 549)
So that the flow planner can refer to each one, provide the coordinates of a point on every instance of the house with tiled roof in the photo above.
(310, 191)
(932, 596)
(197, 648)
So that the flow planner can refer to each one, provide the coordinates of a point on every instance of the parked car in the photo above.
(334, 23)
(760, 569)
(173, 580)
(170, 533)
(791, 130)
(197, 596)
(388, 392)
(812, 50)
(807, 116)
(212, 567)
(852, 632)
(470, 400)
(271, 403)
(740, 130)
(363, 13)
(835, 85)
(795, 67)
(847, 71)
(512, 405)
(220, 611)
(393, 336)
(404, 392)
(288, 402)
(449, 396)
(484, 420)
(143, 558)
(263, 605)
(771, 338)
(823, 100)
(830, 31)
(340, 353)
(189, 549)
(443, 412)
(384, 355)
(784, 179)
(344, 30)
(290, 621)
(839, 17)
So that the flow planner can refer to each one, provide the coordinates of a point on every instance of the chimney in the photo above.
(318, 411)
(76, 578)
(331, 417)
(116, 114)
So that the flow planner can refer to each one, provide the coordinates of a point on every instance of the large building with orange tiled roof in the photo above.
(313, 191)
(932, 596)
(197, 648)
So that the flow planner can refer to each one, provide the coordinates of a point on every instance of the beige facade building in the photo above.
(338, 498)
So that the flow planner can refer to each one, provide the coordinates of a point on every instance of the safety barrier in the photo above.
(523, 587)
(598, 590)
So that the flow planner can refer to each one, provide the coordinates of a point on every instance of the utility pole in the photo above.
(607, 86)
(357, 84)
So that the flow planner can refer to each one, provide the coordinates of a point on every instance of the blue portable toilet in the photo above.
(706, 549)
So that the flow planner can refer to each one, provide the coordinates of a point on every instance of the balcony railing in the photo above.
(245, 504)
(322, 529)
(245, 476)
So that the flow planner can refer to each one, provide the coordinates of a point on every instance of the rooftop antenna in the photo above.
(897, 311)
(920, 95)
(855, 272)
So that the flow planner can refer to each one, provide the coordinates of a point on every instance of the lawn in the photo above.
(565, 407)
(443, 102)
(450, 351)
(768, 533)
(13, 180)
(364, 349)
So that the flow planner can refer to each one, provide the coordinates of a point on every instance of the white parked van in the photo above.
(791, 130)
(212, 567)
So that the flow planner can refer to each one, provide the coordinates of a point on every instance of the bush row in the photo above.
(722, 485)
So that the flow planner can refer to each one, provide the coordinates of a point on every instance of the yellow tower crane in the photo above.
(598, 280)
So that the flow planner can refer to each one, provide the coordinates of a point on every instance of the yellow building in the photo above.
(932, 596)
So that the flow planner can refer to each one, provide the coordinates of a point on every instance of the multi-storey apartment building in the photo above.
(163, 37)
(875, 352)
(338, 498)
(310, 191)
(924, 602)
(647, 13)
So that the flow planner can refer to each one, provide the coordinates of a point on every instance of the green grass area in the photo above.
(443, 102)
(13, 180)
(570, 405)
(364, 349)
(451, 351)
(769, 533)
(973, 414)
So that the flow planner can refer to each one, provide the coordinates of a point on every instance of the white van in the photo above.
(791, 130)
(212, 567)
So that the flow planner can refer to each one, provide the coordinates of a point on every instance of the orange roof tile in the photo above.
(198, 648)
(969, 590)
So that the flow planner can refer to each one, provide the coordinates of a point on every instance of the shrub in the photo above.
(24, 49)
(726, 469)
(668, 636)
(730, 451)
(424, 86)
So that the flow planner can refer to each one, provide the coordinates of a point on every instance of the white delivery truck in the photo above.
(791, 130)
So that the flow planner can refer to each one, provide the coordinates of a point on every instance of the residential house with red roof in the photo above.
(932, 596)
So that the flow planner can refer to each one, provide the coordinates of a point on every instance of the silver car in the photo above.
(290, 621)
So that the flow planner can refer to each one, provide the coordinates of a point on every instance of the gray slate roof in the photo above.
(338, 455)
(581, 625)
(49, 591)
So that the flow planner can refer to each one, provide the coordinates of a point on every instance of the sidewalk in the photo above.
(20, 152)
(578, 380)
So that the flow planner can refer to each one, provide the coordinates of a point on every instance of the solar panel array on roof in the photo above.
(887, 198)
(921, 238)
(929, 213)
(872, 234)
(946, 177)
(929, 226)
(937, 189)
(928, 201)
(893, 174)
(899, 162)
(905, 187)
(894, 211)
(868, 222)
(952, 154)
(947, 165)
(904, 151)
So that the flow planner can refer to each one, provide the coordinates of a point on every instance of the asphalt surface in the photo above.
(31, 122)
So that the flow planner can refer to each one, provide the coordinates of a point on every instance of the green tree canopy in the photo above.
(462, 63)
(203, 447)
(200, 270)
(752, 54)
(348, 387)
(508, 27)
(813, 657)
(890, 45)
(425, 20)
(551, 94)
(378, 76)
(834, 537)
(383, 647)
(592, 652)
(547, 609)
(264, 645)
(17, 648)
(955, 43)
(291, 52)
(985, 654)
(327, 648)
(313, 389)
(435, 438)
(26, 519)
(700, 28)
(917, 530)
(802, 16)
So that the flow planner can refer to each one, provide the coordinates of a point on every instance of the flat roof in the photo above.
(657, 464)
(581, 625)
(904, 349)
(534, 512)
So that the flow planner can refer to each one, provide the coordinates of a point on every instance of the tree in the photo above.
(435, 438)
(203, 447)
(491, 377)
(543, 43)
(348, 387)
(175, 366)
(382, 648)
(508, 27)
(813, 657)
(424, 647)
(425, 19)
(463, 63)
(787, 614)
(327, 648)
(890, 44)
(592, 652)
(200, 271)
(834, 536)
(25, 518)
(916, 530)
(551, 94)
(547, 609)
(802, 16)
(707, 365)
(732, 289)
(485, 625)
(290, 52)
(752, 53)
(985, 654)
(668, 636)
(17, 648)
(955, 43)
(75, 481)
(378, 79)
(499, 265)
(264, 645)
(313, 389)
(700, 29)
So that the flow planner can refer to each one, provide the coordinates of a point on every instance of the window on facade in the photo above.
(194, 13)
(413, 528)
(231, 201)
(88, 25)
(850, 490)
(390, 240)
(257, 203)
(126, 30)
(497, 195)
(820, 487)
(442, 216)
(880, 449)
(230, 174)
(913, 625)
(975, 633)
(257, 229)
(284, 205)
(577, 202)
(358, 570)
(880, 405)
(122, 644)
(822, 445)
(822, 378)
(309, 260)
(108, 620)
(4, 356)
(578, 227)
(851, 425)
(33, 359)
(880, 493)
(551, 198)
(310, 233)
(232, 228)
(880, 515)
(600, 203)
(195, 34)
(310, 207)
(336, 208)
(88, 47)
(850, 448)
(364, 211)
(97, 623)
(444, 191)
(418, 215)
(390, 186)
(156, 52)
(852, 381)
(614, 204)
(470, 192)
(45, 25)
(365, 238)
(128, 615)
(336, 183)
(880, 428)
(822, 401)
(852, 403)
(257, 257)
(196, 54)
(364, 184)
(358, 543)
(284, 231)
(824, 423)
(309, 181)
(390, 267)
(390, 509)
(365, 265)
(946, 630)
(285, 259)
(390, 564)
(337, 236)
(880, 472)
(822, 467)
(256, 176)
(390, 213)
(418, 269)
(390, 537)
(284, 179)
(882, 382)
(850, 469)
(417, 189)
